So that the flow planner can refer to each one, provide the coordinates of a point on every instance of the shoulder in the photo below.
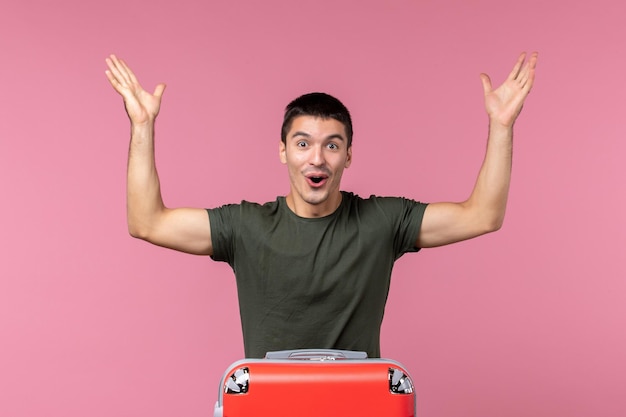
(382, 211)
(249, 206)
(245, 212)
(382, 203)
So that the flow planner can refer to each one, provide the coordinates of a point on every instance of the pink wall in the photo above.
(529, 321)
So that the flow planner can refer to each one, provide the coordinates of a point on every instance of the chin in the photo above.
(314, 201)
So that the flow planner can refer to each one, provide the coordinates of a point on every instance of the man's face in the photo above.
(316, 153)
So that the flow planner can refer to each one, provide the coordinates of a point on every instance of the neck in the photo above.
(305, 209)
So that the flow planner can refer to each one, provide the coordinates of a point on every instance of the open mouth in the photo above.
(316, 180)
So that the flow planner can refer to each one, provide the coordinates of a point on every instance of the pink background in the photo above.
(530, 321)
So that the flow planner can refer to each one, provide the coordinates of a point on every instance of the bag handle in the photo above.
(316, 354)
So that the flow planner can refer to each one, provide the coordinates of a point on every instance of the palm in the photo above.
(504, 103)
(141, 106)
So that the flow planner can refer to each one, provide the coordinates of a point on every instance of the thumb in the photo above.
(486, 82)
(158, 90)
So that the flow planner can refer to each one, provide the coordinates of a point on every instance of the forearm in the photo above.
(144, 201)
(503, 106)
(484, 210)
(490, 194)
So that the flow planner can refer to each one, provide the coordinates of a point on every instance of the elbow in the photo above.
(137, 230)
(486, 219)
(494, 227)
(143, 225)
(493, 217)
(136, 233)
(494, 224)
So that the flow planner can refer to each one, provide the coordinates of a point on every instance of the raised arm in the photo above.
(183, 229)
(484, 210)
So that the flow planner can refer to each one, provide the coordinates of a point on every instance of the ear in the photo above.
(348, 158)
(282, 152)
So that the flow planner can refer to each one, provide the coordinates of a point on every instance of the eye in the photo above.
(333, 146)
(301, 144)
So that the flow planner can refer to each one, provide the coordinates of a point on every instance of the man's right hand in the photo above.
(183, 229)
(141, 106)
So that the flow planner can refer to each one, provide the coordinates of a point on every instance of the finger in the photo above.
(518, 65)
(112, 69)
(118, 70)
(533, 59)
(524, 74)
(119, 88)
(129, 72)
(111, 79)
(530, 81)
(112, 75)
(126, 72)
(529, 76)
(486, 83)
(159, 89)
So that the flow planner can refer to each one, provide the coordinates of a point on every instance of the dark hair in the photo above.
(320, 105)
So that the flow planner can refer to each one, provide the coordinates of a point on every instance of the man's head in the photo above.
(316, 146)
(321, 105)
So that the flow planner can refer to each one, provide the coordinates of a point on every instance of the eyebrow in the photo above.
(306, 135)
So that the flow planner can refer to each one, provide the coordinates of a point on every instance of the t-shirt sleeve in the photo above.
(406, 217)
(412, 225)
(223, 222)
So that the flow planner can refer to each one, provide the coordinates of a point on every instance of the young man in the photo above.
(313, 268)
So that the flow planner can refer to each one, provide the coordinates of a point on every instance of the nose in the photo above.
(317, 156)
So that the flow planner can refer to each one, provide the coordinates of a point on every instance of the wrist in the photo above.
(497, 127)
(141, 132)
(500, 134)
(138, 127)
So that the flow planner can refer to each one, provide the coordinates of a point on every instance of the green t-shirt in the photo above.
(314, 282)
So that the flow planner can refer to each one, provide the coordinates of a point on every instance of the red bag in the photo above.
(316, 383)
